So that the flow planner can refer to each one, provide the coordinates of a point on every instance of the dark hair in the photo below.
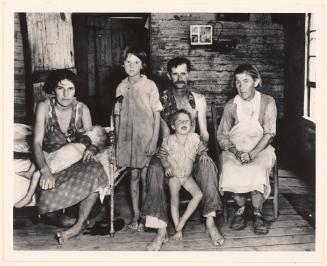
(177, 61)
(173, 116)
(138, 52)
(56, 76)
(250, 70)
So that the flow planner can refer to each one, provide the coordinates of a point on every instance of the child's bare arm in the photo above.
(151, 149)
(167, 166)
(117, 114)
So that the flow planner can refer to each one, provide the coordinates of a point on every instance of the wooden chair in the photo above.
(217, 112)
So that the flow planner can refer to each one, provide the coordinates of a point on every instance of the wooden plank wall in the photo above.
(19, 72)
(258, 41)
(50, 37)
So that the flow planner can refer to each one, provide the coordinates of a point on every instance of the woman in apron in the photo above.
(246, 130)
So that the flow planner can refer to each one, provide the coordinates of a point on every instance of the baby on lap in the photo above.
(63, 158)
(177, 154)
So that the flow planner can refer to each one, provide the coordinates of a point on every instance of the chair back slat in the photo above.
(217, 112)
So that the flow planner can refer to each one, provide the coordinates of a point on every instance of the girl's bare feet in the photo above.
(141, 225)
(160, 238)
(133, 225)
(178, 235)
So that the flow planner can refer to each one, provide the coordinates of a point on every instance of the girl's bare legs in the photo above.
(30, 192)
(174, 188)
(84, 211)
(196, 193)
(141, 223)
(135, 192)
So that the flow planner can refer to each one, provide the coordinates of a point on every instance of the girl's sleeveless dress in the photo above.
(77, 182)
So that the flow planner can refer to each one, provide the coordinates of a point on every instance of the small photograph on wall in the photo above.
(201, 34)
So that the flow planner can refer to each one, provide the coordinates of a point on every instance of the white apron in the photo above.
(245, 135)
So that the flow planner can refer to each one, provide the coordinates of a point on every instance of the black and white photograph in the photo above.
(201, 34)
(165, 133)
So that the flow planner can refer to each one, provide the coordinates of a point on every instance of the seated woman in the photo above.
(58, 119)
(65, 157)
(246, 129)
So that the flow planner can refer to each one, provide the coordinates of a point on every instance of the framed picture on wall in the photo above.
(201, 34)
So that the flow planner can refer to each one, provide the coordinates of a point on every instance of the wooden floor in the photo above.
(290, 232)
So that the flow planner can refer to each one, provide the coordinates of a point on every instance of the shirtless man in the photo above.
(175, 98)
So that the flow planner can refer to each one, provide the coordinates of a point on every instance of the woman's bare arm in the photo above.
(39, 131)
(86, 118)
(47, 180)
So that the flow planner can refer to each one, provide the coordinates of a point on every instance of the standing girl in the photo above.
(137, 117)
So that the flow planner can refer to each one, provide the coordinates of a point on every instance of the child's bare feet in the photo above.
(178, 235)
(141, 225)
(180, 226)
(23, 202)
(28, 174)
(133, 225)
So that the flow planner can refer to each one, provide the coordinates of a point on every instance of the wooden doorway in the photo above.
(99, 42)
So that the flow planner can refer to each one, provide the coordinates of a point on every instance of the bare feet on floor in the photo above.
(63, 236)
(216, 238)
(178, 235)
(133, 225)
(157, 242)
(141, 225)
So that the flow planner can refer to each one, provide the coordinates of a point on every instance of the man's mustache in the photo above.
(180, 82)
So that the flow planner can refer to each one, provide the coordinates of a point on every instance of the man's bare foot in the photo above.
(216, 238)
(63, 236)
(23, 202)
(178, 235)
(160, 238)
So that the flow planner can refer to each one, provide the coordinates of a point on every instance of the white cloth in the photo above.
(154, 222)
(245, 135)
(21, 182)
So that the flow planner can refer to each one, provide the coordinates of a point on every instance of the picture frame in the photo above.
(201, 34)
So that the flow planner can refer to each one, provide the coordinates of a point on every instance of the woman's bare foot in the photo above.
(160, 238)
(178, 235)
(63, 236)
(216, 238)
(23, 202)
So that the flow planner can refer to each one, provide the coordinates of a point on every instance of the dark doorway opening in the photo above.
(99, 42)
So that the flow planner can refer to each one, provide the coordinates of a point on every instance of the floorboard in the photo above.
(290, 232)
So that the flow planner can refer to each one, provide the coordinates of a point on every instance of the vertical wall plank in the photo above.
(19, 72)
(50, 38)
